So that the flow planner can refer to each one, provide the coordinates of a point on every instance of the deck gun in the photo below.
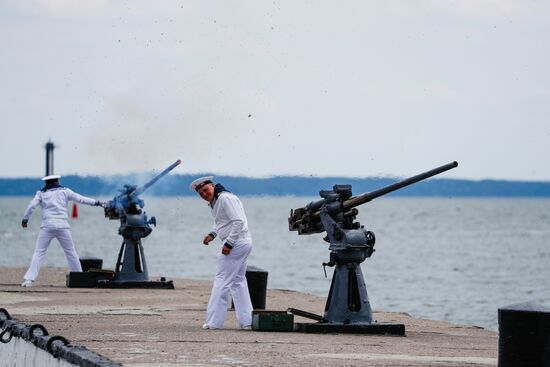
(131, 267)
(347, 308)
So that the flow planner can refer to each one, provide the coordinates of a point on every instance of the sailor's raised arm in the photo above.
(73, 196)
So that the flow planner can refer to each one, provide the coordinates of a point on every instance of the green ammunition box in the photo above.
(88, 279)
(272, 320)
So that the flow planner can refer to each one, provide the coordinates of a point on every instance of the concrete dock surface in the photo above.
(162, 328)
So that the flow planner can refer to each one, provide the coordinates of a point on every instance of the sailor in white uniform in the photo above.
(231, 226)
(53, 200)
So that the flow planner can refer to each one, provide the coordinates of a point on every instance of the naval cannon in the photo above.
(131, 267)
(347, 308)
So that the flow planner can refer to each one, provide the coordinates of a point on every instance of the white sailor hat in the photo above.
(200, 182)
(50, 177)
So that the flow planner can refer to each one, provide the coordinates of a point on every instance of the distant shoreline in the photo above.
(177, 185)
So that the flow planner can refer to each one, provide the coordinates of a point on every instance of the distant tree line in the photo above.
(178, 185)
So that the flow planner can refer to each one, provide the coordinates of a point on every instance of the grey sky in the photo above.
(258, 88)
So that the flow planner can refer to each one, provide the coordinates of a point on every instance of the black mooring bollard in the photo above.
(524, 335)
(257, 287)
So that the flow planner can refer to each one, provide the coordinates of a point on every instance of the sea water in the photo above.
(455, 259)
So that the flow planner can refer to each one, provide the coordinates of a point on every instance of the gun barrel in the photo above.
(139, 190)
(368, 196)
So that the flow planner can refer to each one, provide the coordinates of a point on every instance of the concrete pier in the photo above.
(148, 327)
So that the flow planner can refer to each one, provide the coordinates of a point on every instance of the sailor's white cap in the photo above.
(200, 182)
(50, 177)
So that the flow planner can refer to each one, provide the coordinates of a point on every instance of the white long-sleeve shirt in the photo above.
(231, 225)
(54, 206)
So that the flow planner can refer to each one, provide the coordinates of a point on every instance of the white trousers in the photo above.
(45, 237)
(230, 278)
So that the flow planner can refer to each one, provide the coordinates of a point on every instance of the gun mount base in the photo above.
(348, 301)
(328, 328)
(131, 264)
(131, 269)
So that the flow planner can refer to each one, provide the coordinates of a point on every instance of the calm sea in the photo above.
(437, 258)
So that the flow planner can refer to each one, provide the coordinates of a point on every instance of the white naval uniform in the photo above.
(54, 224)
(231, 226)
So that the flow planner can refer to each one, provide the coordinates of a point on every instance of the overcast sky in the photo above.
(260, 88)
